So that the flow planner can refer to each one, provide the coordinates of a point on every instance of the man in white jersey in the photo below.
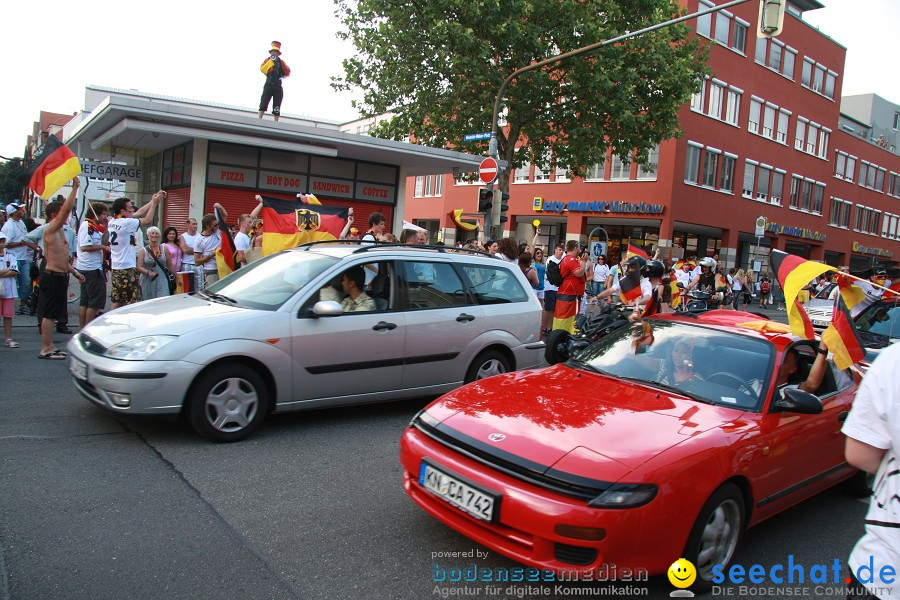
(122, 229)
(91, 246)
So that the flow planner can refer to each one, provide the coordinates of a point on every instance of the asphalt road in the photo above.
(309, 507)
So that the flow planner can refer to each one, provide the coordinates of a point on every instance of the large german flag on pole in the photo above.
(635, 250)
(51, 168)
(289, 223)
(226, 256)
(795, 273)
(840, 337)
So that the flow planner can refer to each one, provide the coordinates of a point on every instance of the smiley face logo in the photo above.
(682, 573)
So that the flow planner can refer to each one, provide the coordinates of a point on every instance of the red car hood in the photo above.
(572, 421)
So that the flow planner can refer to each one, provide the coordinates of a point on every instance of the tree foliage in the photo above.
(437, 65)
(12, 175)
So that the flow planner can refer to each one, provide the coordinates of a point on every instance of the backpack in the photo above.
(764, 286)
(553, 274)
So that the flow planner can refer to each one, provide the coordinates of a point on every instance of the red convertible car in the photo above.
(665, 439)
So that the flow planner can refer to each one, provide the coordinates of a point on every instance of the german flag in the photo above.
(630, 286)
(795, 273)
(841, 335)
(226, 256)
(288, 224)
(676, 292)
(634, 250)
(53, 166)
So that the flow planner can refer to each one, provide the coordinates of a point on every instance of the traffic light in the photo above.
(485, 197)
(501, 205)
(771, 17)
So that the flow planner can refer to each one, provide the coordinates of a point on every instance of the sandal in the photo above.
(55, 355)
(11, 344)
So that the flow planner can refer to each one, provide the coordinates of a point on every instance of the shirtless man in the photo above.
(55, 278)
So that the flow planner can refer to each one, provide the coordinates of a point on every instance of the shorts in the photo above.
(539, 294)
(7, 307)
(209, 278)
(126, 286)
(550, 300)
(54, 296)
(272, 92)
(93, 290)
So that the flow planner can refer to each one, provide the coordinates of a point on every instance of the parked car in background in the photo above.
(272, 336)
(821, 307)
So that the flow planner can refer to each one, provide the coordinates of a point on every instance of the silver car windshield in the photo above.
(707, 365)
(268, 283)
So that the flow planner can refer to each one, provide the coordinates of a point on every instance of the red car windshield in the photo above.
(708, 365)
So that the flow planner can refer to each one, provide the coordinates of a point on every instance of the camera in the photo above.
(582, 249)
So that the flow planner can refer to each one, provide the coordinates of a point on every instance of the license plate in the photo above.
(77, 368)
(820, 323)
(466, 497)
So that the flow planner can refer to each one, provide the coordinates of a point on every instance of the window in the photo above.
(698, 97)
(723, 25)
(542, 173)
(562, 173)
(796, 184)
(749, 178)
(776, 51)
(772, 53)
(716, 90)
(894, 185)
(432, 285)
(840, 163)
(726, 174)
(871, 176)
(807, 194)
(692, 164)
(866, 220)
(523, 173)
(763, 176)
(818, 196)
(420, 186)
(840, 213)
(649, 172)
(494, 285)
(739, 36)
(811, 138)
(597, 172)
(704, 22)
(732, 107)
(769, 121)
(755, 109)
(434, 185)
(783, 118)
(762, 46)
(787, 67)
(777, 186)
(709, 168)
(619, 169)
(818, 78)
(896, 120)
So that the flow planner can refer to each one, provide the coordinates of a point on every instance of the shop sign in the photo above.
(599, 206)
(283, 182)
(375, 192)
(235, 176)
(857, 247)
(800, 232)
(98, 170)
(335, 188)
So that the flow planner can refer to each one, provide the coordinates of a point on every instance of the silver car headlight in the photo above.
(139, 348)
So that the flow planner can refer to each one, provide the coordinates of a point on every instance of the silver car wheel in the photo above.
(231, 404)
(490, 368)
(719, 538)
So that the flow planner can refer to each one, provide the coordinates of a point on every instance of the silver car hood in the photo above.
(173, 315)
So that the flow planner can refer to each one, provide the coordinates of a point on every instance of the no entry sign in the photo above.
(488, 170)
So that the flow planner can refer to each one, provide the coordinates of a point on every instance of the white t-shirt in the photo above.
(369, 239)
(8, 284)
(601, 272)
(90, 260)
(15, 231)
(206, 246)
(736, 284)
(875, 420)
(189, 241)
(873, 295)
(241, 241)
(547, 285)
(683, 277)
(123, 242)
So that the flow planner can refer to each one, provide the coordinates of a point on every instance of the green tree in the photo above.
(436, 65)
(11, 180)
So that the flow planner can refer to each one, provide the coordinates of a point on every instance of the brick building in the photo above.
(764, 137)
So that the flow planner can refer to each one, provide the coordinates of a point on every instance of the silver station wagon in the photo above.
(273, 336)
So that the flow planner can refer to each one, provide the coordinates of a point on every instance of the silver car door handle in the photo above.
(464, 317)
(384, 325)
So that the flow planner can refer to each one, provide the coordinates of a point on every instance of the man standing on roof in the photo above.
(274, 69)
